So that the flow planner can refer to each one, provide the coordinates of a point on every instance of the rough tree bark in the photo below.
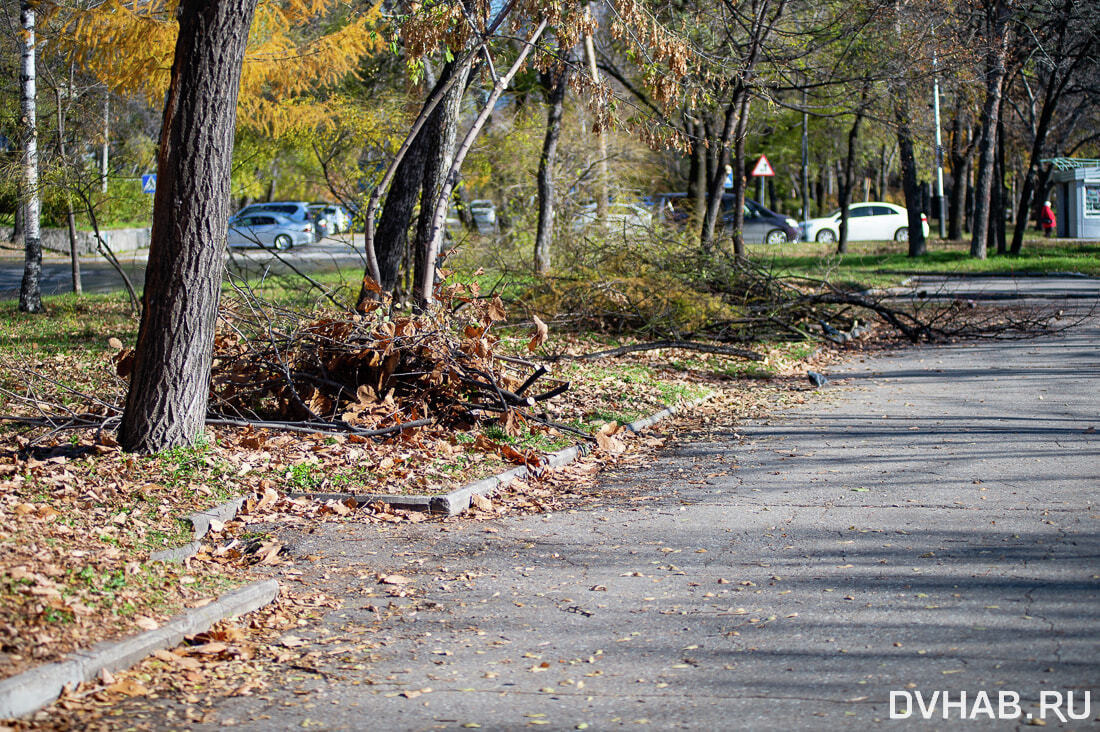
(846, 184)
(391, 240)
(991, 110)
(558, 83)
(169, 385)
(440, 134)
(910, 186)
(962, 144)
(739, 180)
(425, 285)
(716, 175)
(30, 291)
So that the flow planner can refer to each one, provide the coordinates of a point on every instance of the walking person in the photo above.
(1048, 222)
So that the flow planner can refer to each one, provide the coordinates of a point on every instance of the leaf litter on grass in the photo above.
(78, 518)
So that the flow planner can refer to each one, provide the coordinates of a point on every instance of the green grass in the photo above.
(884, 263)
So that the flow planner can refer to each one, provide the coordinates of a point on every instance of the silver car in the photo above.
(268, 230)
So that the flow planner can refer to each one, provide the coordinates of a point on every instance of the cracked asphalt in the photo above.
(929, 524)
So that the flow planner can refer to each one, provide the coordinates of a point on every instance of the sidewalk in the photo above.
(929, 523)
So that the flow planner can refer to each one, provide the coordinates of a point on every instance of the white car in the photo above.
(874, 221)
(624, 217)
(268, 230)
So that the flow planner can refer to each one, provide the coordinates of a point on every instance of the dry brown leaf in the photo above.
(145, 623)
(496, 310)
(541, 332)
(128, 687)
(394, 579)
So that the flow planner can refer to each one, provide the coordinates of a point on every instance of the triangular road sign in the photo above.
(763, 167)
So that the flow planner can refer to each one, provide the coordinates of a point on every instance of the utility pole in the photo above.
(940, 202)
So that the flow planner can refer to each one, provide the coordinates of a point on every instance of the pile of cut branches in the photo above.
(373, 372)
(681, 298)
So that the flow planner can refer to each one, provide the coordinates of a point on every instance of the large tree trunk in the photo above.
(1051, 97)
(960, 172)
(910, 186)
(170, 384)
(392, 237)
(845, 192)
(716, 185)
(555, 103)
(991, 110)
(997, 199)
(425, 286)
(440, 134)
(30, 292)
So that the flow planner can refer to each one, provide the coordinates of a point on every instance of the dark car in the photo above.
(761, 223)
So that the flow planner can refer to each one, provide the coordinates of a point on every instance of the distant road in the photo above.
(98, 276)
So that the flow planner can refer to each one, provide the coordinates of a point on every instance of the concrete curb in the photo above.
(201, 525)
(458, 500)
(31, 690)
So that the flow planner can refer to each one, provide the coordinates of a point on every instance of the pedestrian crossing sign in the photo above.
(149, 183)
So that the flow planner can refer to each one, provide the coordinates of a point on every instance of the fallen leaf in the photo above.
(394, 579)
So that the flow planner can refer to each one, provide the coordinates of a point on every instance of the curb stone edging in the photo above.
(33, 689)
(458, 500)
(201, 525)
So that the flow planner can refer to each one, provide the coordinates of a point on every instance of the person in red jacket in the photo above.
(1047, 220)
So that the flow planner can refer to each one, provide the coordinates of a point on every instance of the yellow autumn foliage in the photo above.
(130, 46)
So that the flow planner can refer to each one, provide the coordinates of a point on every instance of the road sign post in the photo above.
(763, 169)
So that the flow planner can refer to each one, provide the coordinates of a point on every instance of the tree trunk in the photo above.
(697, 178)
(845, 192)
(170, 383)
(997, 209)
(739, 179)
(991, 110)
(440, 134)
(391, 240)
(960, 172)
(105, 150)
(602, 177)
(30, 292)
(70, 218)
(1023, 211)
(425, 290)
(716, 185)
(910, 186)
(555, 103)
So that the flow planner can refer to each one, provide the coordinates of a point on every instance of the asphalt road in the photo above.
(929, 524)
(98, 276)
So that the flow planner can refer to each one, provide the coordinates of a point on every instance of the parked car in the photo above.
(484, 214)
(873, 221)
(764, 225)
(761, 223)
(337, 218)
(621, 217)
(268, 230)
(293, 210)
